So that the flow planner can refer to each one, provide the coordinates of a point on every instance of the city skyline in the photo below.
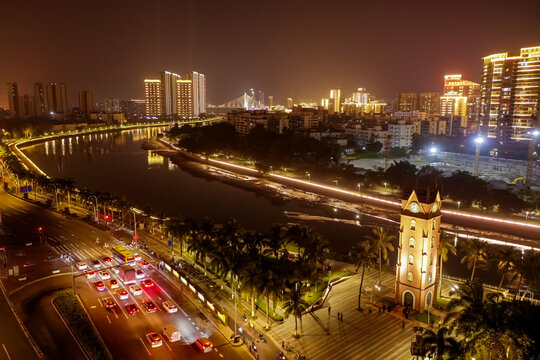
(277, 66)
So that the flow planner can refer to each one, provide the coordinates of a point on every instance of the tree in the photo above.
(269, 284)
(295, 304)
(439, 343)
(374, 147)
(504, 258)
(381, 242)
(201, 243)
(401, 174)
(363, 255)
(446, 245)
(275, 240)
(475, 253)
(526, 267)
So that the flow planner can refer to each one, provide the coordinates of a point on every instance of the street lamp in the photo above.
(385, 184)
(308, 175)
(458, 204)
(526, 216)
(337, 184)
(433, 150)
(479, 140)
(359, 186)
(135, 227)
(96, 212)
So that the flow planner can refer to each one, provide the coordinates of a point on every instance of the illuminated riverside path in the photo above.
(115, 163)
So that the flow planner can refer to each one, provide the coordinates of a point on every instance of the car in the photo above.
(122, 294)
(132, 309)
(144, 264)
(90, 274)
(104, 275)
(109, 303)
(99, 286)
(139, 274)
(204, 344)
(137, 257)
(170, 306)
(135, 289)
(154, 339)
(96, 264)
(113, 284)
(149, 306)
(148, 283)
(106, 259)
(116, 270)
(82, 266)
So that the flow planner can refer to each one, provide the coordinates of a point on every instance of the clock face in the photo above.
(414, 207)
(435, 207)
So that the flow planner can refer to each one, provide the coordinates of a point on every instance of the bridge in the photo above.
(248, 102)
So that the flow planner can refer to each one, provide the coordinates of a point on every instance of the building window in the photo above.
(432, 241)
(431, 259)
(409, 276)
(429, 278)
(411, 242)
(411, 260)
(413, 224)
(433, 224)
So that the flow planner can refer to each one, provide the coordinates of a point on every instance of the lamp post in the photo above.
(308, 175)
(385, 184)
(337, 184)
(526, 216)
(359, 186)
(479, 140)
(134, 225)
(458, 204)
(97, 209)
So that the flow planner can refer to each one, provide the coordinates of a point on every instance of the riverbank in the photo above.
(354, 204)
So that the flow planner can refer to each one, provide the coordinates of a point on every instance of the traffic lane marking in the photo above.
(148, 351)
(5, 349)
(165, 342)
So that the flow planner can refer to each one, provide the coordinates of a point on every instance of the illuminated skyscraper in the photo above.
(430, 103)
(111, 105)
(361, 96)
(407, 102)
(13, 100)
(199, 92)
(40, 102)
(335, 95)
(153, 97)
(461, 98)
(290, 103)
(57, 99)
(510, 94)
(86, 102)
(168, 92)
(184, 101)
(270, 101)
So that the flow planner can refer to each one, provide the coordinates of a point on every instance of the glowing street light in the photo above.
(359, 186)
(479, 140)
(526, 216)
(385, 184)
(458, 204)
(433, 150)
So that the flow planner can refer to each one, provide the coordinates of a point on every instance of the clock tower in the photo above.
(416, 269)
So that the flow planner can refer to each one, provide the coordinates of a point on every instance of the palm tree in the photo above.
(475, 253)
(526, 266)
(269, 284)
(363, 255)
(446, 245)
(250, 280)
(275, 240)
(505, 258)
(295, 304)
(440, 343)
(202, 241)
(381, 242)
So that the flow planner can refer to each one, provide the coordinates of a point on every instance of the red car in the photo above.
(106, 259)
(148, 283)
(109, 303)
(132, 309)
(99, 286)
(149, 306)
(144, 264)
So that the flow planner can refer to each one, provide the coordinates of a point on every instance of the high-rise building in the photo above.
(335, 95)
(290, 103)
(184, 100)
(416, 270)
(430, 103)
(111, 105)
(133, 109)
(86, 102)
(40, 101)
(270, 101)
(168, 92)
(57, 99)
(510, 94)
(153, 97)
(361, 97)
(26, 106)
(461, 98)
(199, 92)
(13, 100)
(407, 102)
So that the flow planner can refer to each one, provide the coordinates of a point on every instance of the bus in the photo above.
(123, 255)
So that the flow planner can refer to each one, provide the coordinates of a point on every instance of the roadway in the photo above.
(123, 334)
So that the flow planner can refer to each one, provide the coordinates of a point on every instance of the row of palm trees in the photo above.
(256, 264)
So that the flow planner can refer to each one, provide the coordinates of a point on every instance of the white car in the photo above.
(104, 275)
(82, 266)
(139, 274)
(135, 289)
(170, 306)
(122, 294)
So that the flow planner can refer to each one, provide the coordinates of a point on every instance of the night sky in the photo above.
(287, 48)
